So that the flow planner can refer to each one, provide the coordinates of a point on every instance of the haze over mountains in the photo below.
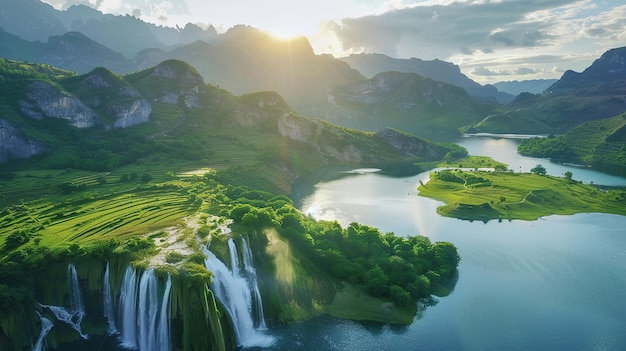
(241, 60)
(596, 93)
(365, 91)
(372, 64)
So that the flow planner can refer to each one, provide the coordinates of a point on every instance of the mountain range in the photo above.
(370, 92)
(241, 60)
(596, 93)
(372, 64)
(102, 120)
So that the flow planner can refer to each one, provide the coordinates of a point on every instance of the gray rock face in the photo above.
(407, 144)
(185, 84)
(171, 70)
(133, 113)
(14, 145)
(45, 100)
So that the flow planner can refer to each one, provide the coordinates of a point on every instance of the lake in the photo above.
(553, 284)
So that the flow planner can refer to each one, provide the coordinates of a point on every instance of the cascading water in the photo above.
(128, 309)
(46, 326)
(74, 316)
(107, 301)
(76, 298)
(254, 286)
(144, 315)
(163, 326)
(233, 291)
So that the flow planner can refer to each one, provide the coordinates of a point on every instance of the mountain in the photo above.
(30, 19)
(533, 86)
(596, 93)
(245, 59)
(372, 64)
(71, 51)
(406, 101)
(242, 60)
(605, 76)
(102, 120)
(34, 20)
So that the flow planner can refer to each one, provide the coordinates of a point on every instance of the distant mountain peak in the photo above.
(178, 70)
(610, 67)
(443, 71)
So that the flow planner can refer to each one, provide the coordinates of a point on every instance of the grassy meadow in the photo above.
(486, 195)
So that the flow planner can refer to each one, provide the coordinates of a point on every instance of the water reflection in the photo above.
(549, 284)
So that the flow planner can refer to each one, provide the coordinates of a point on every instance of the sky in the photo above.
(491, 40)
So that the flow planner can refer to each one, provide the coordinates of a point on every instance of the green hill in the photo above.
(485, 196)
(596, 93)
(600, 144)
(406, 101)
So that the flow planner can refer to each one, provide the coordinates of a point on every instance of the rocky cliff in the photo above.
(14, 145)
(43, 99)
(172, 82)
(119, 103)
(409, 144)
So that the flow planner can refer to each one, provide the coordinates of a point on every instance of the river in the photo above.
(553, 284)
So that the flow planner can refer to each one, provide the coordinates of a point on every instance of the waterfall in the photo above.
(234, 257)
(76, 298)
(254, 286)
(46, 326)
(233, 291)
(128, 309)
(74, 316)
(107, 303)
(145, 314)
(163, 326)
(63, 315)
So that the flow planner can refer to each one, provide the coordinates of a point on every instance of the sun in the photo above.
(285, 33)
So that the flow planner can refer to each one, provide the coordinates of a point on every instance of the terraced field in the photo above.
(102, 208)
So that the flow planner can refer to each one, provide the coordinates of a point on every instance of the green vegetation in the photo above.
(472, 162)
(398, 269)
(601, 144)
(506, 195)
(126, 196)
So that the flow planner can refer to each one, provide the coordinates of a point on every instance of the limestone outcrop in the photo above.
(14, 145)
(46, 100)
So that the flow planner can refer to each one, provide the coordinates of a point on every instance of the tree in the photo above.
(500, 168)
(568, 175)
(539, 169)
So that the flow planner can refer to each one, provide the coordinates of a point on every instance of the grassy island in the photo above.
(486, 195)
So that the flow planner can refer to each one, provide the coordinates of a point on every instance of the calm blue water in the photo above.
(552, 284)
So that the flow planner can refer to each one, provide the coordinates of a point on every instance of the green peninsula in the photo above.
(485, 195)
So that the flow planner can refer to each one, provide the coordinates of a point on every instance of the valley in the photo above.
(199, 187)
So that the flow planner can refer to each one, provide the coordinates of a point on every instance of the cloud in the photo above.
(520, 71)
(435, 31)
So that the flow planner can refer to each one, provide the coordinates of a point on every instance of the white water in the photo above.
(163, 330)
(74, 315)
(107, 300)
(144, 314)
(76, 298)
(233, 291)
(254, 285)
(46, 326)
(128, 309)
(63, 315)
